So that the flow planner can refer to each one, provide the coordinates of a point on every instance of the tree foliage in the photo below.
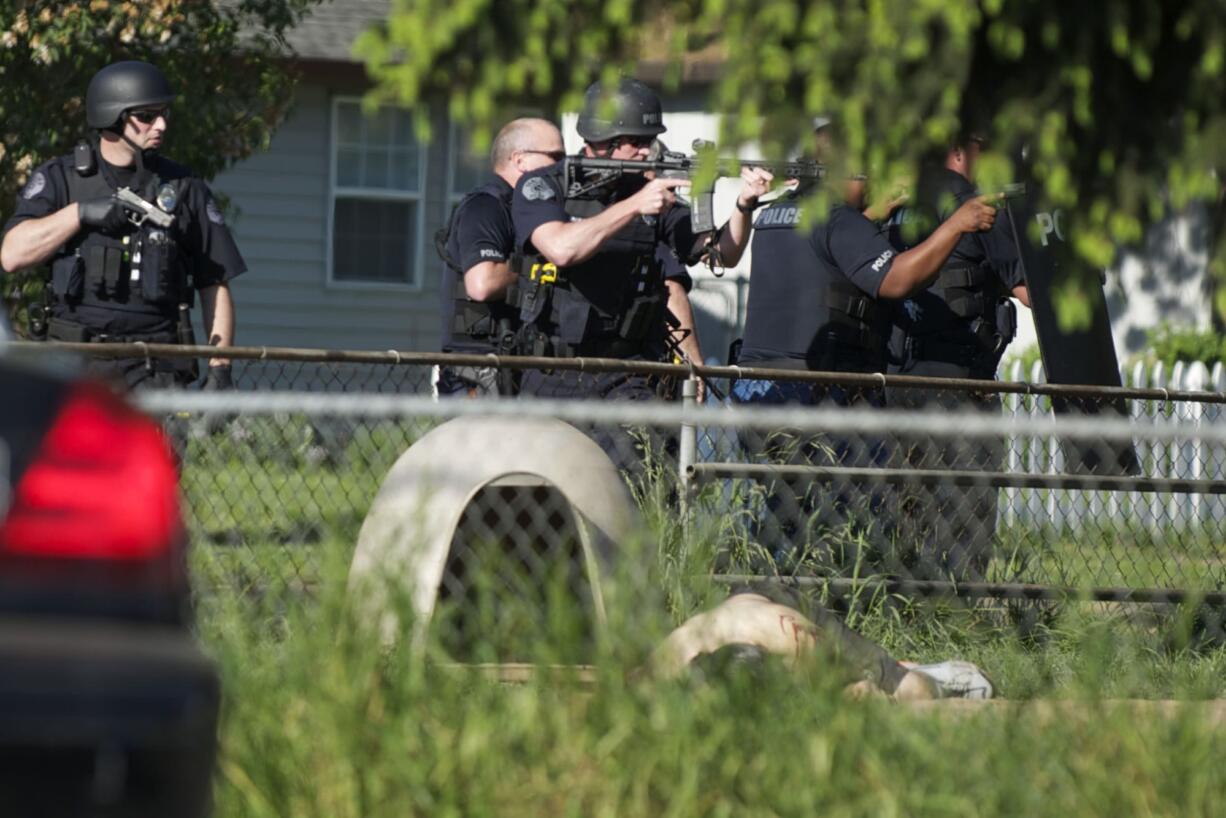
(1121, 104)
(225, 60)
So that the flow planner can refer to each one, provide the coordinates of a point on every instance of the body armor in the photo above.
(140, 269)
(494, 322)
(612, 305)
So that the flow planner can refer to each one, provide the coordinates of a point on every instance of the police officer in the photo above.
(815, 303)
(111, 279)
(480, 263)
(957, 328)
(605, 276)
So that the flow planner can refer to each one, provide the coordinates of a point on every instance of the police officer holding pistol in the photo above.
(129, 235)
(816, 303)
(604, 275)
(957, 328)
(481, 265)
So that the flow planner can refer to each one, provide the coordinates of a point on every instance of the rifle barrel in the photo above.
(690, 164)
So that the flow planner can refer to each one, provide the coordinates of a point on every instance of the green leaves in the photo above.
(1116, 103)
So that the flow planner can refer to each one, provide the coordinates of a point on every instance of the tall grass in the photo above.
(321, 720)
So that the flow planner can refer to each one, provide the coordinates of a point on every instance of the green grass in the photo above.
(319, 719)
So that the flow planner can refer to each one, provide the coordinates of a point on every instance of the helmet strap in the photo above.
(138, 155)
(136, 149)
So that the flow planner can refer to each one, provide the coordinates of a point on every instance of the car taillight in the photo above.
(103, 486)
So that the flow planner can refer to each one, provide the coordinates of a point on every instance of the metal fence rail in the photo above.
(257, 483)
(284, 469)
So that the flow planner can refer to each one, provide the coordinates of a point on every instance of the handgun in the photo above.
(139, 211)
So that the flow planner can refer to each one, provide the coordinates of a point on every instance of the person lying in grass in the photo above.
(749, 627)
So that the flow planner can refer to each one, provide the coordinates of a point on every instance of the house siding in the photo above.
(279, 201)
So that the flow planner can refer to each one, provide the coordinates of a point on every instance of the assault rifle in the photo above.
(585, 176)
(138, 210)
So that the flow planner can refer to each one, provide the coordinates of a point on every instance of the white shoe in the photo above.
(957, 679)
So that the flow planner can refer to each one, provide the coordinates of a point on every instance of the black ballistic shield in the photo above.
(1083, 355)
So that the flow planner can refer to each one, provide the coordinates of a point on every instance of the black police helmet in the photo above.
(122, 86)
(630, 109)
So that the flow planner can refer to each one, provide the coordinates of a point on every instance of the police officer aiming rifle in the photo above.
(603, 268)
(601, 273)
(129, 235)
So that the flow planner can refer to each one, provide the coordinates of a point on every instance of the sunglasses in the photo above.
(556, 156)
(616, 142)
(634, 141)
(148, 116)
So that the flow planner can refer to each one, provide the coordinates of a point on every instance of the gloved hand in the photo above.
(219, 379)
(105, 213)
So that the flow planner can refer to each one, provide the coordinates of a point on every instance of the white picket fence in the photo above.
(1159, 513)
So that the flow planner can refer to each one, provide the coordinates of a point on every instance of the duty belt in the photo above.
(60, 329)
(967, 276)
(933, 348)
(550, 346)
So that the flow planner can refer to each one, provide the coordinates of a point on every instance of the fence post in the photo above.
(1177, 452)
(1139, 410)
(1013, 455)
(1215, 456)
(1195, 378)
(688, 444)
(1158, 449)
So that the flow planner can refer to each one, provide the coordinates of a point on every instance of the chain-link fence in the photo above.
(843, 482)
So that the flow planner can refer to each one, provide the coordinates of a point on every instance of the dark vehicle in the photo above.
(107, 705)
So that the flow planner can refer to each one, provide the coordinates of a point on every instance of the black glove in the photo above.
(105, 213)
(219, 379)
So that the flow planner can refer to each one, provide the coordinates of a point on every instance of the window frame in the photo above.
(454, 196)
(415, 282)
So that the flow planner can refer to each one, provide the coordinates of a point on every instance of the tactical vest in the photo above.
(973, 294)
(812, 310)
(855, 323)
(969, 289)
(494, 322)
(141, 270)
(612, 305)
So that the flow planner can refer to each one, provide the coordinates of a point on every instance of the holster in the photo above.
(575, 318)
(1006, 319)
(533, 301)
(645, 314)
(59, 329)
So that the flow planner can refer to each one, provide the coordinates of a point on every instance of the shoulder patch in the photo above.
(537, 189)
(214, 212)
(36, 185)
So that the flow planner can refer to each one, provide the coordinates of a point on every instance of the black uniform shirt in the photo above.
(481, 231)
(940, 192)
(794, 274)
(540, 199)
(205, 242)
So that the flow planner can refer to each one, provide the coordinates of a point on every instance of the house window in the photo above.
(468, 169)
(378, 177)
